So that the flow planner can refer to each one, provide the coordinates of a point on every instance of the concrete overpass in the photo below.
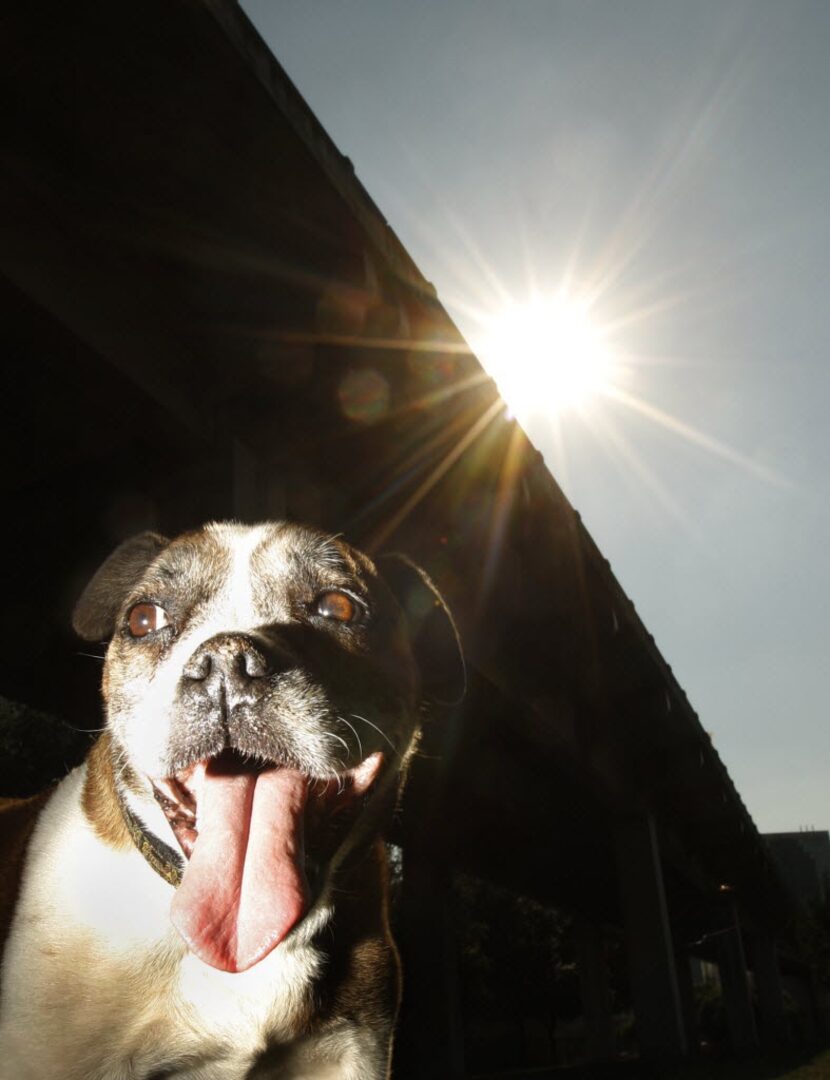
(206, 315)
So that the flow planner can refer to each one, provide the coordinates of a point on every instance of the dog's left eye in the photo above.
(338, 606)
(143, 619)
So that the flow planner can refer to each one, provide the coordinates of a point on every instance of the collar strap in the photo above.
(166, 862)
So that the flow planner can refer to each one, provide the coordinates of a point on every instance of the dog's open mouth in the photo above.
(242, 828)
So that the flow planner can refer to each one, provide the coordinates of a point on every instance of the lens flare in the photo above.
(546, 355)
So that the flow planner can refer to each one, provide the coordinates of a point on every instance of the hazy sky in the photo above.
(672, 156)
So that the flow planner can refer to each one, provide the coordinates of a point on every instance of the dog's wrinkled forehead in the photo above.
(253, 574)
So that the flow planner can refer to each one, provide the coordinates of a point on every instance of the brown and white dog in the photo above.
(205, 897)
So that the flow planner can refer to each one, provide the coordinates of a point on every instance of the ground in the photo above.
(794, 1064)
(786, 1065)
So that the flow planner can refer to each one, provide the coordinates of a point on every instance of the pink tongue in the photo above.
(243, 888)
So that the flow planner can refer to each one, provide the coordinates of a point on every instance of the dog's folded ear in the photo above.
(432, 632)
(94, 616)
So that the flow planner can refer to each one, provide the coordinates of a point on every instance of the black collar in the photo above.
(166, 862)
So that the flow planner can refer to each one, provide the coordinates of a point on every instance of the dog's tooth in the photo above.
(364, 774)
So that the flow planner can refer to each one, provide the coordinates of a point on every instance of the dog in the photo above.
(206, 897)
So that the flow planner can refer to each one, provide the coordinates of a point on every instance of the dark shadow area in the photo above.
(36, 749)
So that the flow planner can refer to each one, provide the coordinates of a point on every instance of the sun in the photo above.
(547, 355)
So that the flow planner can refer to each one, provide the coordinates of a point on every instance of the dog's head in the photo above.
(262, 683)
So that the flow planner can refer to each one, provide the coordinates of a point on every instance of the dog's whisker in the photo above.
(377, 729)
(353, 729)
(91, 655)
(343, 743)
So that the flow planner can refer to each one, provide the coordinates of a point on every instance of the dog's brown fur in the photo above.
(18, 818)
(100, 799)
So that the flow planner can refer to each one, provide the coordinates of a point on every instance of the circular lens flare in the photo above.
(546, 356)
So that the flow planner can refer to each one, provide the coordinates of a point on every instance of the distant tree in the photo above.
(516, 964)
(712, 1022)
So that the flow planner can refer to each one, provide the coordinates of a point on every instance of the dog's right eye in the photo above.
(338, 607)
(144, 618)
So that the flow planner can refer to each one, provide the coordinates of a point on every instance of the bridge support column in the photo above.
(658, 1008)
(686, 989)
(770, 990)
(430, 1036)
(595, 992)
(735, 983)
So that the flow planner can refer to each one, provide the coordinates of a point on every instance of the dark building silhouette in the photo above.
(803, 859)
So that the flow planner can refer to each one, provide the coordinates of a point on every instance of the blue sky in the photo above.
(674, 159)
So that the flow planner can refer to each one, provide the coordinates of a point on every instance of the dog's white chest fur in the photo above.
(94, 967)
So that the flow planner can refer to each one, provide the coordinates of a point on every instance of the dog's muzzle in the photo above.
(240, 803)
(227, 670)
(230, 695)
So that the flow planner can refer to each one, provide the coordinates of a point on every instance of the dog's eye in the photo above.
(337, 606)
(143, 619)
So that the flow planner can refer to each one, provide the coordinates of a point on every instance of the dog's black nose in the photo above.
(231, 659)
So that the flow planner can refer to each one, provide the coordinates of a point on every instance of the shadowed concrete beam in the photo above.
(735, 982)
(770, 990)
(685, 985)
(595, 992)
(658, 1009)
(430, 1036)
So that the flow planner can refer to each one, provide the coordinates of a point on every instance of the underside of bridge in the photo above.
(205, 315)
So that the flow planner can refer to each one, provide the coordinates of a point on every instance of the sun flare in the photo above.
(546, 355)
